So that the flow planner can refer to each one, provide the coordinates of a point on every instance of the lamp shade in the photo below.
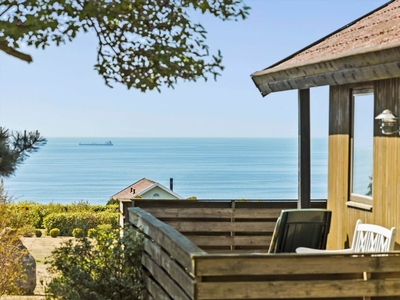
(386, 115)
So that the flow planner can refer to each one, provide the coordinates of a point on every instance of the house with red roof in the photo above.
(147, 189)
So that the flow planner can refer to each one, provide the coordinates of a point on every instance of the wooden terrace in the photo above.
(217, 250)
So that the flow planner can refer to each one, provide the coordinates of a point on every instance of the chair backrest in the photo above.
(300, 228)
(373, 238)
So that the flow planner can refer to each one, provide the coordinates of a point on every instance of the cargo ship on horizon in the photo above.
(109, 143)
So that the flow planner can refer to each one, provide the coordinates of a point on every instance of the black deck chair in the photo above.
(300, 228)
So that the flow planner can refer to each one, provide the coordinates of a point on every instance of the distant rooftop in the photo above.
(134, 189)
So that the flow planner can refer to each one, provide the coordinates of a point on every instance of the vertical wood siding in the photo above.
(386, 179)
(386, 169)
(338, 164)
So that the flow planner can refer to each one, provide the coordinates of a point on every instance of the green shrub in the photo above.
(91, 269)
(66, 222)
(104, 227)
(192, 198)
(77, 233)
(38, 233)
(112, 208)
(112, 201)
(23, 214)
(79, 206)
(26, 231)
(92, 232)
(55, 232)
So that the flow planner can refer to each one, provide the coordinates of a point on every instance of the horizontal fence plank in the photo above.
(211, 240)
(251, 241)
(167, 237)
(163, 279)
(257, 213)
(154, 290)
(297, 289)
(238, 251)
(281, 264)
(149, 297)
(222, 226)
(214, 213)
(187, 212)
(183, 279)
(223, 203)
(216, 241)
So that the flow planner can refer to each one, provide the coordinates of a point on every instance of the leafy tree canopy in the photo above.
(142, 44)
(15, 147)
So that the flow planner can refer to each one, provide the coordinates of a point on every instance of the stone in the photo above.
(25, 282)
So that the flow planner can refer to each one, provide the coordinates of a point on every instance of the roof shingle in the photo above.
(381, 28)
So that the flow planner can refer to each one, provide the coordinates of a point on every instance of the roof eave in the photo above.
(161, 187)
(358, 66)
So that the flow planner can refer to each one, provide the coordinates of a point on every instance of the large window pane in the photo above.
(363, 122)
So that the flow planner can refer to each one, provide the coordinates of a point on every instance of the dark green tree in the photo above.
(142, 44)
(15, 147)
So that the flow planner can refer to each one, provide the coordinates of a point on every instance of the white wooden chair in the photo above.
(367, 238)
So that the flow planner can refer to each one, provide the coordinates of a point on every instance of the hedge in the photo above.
(67, 222)
(31, 213)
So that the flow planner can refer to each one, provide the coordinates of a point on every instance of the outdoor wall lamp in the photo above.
(388, 122)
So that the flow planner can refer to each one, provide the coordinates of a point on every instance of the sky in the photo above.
(61, 95)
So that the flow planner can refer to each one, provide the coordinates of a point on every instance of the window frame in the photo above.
(358, 200)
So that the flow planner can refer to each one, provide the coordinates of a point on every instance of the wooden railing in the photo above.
(167, 258)
(295, 276)
(176, 268)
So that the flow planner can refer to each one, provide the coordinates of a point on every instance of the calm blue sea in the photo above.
(208, 168)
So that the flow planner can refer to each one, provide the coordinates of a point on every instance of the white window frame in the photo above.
(357, 200)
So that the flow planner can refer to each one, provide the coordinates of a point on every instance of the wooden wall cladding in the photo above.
(386, 165)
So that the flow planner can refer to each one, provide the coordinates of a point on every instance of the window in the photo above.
(156, 195)
(361, 151)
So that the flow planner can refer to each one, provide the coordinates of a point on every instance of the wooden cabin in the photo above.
(362, 58)
(209, 250)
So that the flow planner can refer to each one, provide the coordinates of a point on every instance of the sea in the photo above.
(65, 172)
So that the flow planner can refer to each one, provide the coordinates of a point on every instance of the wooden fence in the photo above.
(221, 226)
(295, 276)
(176, 268)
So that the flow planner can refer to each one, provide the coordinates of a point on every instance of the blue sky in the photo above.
(61, 95)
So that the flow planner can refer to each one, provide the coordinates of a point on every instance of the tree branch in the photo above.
(15, 53)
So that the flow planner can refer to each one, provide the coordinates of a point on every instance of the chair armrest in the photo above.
(318, 251)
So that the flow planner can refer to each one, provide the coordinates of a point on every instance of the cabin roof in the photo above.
(134, 189)
(139, 188)
(365, 49)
